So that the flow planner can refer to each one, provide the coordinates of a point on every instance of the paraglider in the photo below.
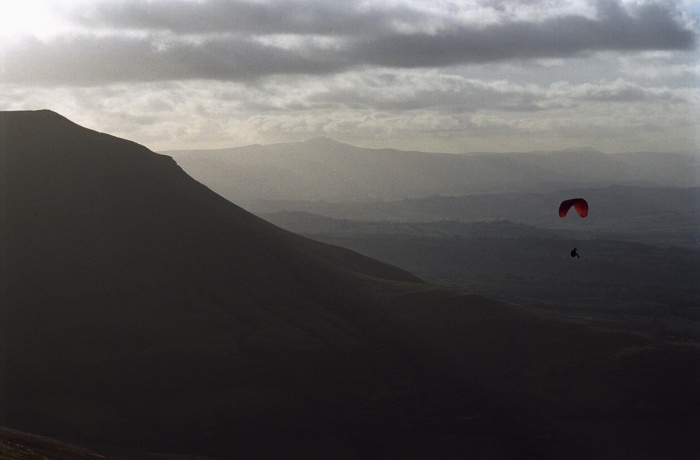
(581, 207)
(579, 204)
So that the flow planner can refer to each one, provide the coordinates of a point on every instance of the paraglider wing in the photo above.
(579, 204)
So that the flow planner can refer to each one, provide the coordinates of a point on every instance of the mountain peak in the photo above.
(45, 140)
(323, 140)
(34, 115)
(37, 126)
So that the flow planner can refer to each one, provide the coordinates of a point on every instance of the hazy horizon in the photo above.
(449, 76)
(331, 139)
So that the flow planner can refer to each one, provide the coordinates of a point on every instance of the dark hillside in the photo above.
(113, 256)
(143, 311)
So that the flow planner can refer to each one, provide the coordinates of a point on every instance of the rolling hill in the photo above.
(141, 310)
(323, 169)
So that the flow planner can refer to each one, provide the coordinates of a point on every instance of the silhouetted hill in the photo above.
(141, 310)
(112, 256)
(322, 169)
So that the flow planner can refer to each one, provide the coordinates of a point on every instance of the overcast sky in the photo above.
(434, 75)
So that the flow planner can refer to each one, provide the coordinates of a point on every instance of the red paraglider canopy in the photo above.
(579, 204)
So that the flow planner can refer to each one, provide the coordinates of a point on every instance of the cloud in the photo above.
(307, 17)
(450, 75)
(407, 109)
(644, 27)
(246, 41)
(90, 60)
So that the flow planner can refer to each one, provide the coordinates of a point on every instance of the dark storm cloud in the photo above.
(186, 40)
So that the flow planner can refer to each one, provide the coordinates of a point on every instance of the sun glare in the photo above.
(36, 18)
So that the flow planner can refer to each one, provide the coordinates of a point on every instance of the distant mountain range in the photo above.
(323, 169)
(142, 311)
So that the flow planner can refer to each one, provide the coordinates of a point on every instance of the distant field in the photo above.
(652, 215)
(622, 285)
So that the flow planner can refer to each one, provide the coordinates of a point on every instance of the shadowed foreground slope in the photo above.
(141, 310)
(16, 445)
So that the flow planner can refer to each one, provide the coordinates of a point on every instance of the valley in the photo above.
(618, 284)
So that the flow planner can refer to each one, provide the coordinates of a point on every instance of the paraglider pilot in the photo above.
(581, 207)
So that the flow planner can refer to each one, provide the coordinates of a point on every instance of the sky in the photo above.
(437, 75)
